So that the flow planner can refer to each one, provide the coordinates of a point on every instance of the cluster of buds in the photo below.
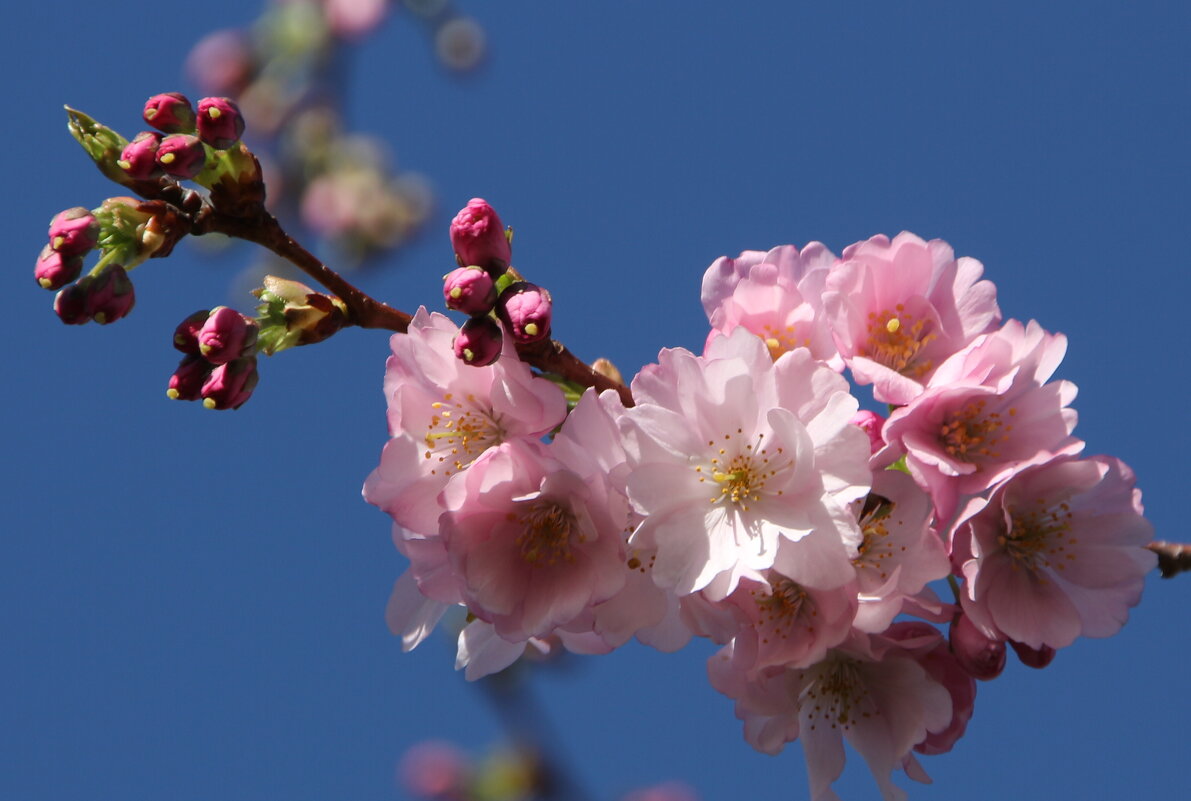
(126, 231)
(487, 289)
(219, 367)
(183, 143)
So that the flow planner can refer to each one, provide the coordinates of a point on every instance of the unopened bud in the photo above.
(478, 237)
(607, 369)
(54, 270)
(469, 290)
(110, 296)
(219, 123)
(230, 385)
(292, 313)
(526, 310)
(226, 334)
(170, 112)
(188, 379)
(74, 232)
(478, 342)
(1033, 657)
(871, 423)
(186, 334)
(139, 157)
(181, 155)
(70, 304)
(981, 656)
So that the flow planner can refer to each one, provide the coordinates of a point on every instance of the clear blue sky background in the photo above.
(191, 603)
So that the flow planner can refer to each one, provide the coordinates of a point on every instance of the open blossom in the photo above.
(899, 308)
(740, 464)
(775, 622)
(443, 414)
(533, 543)
(899, 553)
(1058, 552)
(872, 693)
(986, 413)
(776, 295)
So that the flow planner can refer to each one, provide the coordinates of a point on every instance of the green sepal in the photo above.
(101, 143)
(900, 464)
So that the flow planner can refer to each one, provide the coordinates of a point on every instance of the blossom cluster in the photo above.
(746, 497)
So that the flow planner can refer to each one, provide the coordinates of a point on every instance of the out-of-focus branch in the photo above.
(1173, 557)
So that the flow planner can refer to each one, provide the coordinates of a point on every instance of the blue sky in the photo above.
(192, 603)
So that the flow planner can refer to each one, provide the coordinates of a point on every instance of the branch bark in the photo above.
(1173, 557)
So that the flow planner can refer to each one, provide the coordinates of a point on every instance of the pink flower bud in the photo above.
(526, 310)
(1033, 657)
(170, 112)
(872, 423)
(70, 304)
(186, 334)
(74, 232)
(478, 341)
(469, 290)
(55, 270)
(478, 237)
(226, 334)
(981, 656)
(181, 155)
(188, 379)
(220, 123)
(110, 296)
(139, 157)
(230, 385)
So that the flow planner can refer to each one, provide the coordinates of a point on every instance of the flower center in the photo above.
(741, 477)
(781, 609)
(1039, 537)
(459, 432)
(895, 339)
(781, 340)
(969, 435)
(837, 697)
(549, 532)
(875, 549)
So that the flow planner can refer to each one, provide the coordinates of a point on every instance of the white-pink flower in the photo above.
(1058, 552)
(987, 413)
(443, 414)
(898, 308)
(776, 295)
(776, 622)
(870, 692)
(532, 543)
(899, 554)
(740, 464)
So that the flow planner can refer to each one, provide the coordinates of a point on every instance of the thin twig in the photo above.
(1173, 557)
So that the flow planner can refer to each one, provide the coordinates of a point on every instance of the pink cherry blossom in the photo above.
(986, 413)
(775, 295)
(1058, 552)
(928, 646)
(899, 308)
(443, 414)
(532, 543)
(872, 693)
(775, 622)
(731, 453)
(899, 554)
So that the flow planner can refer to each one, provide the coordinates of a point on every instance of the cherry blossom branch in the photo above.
(1173, 557)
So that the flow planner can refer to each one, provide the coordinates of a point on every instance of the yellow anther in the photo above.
(893, 325)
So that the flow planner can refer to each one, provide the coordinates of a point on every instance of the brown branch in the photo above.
(237, 210)
(1173, 557)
